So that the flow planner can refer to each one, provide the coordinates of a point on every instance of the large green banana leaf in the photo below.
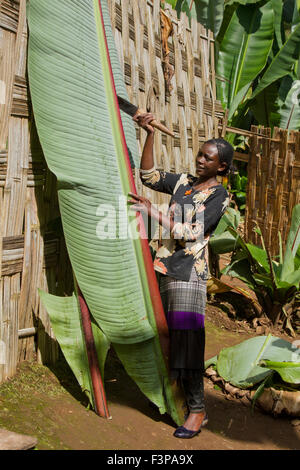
(266, 106)
(283, 61)
(78, 123)
(239, 364)
(244, 51)
(278, 8)
(288, 371)
(291, 9)
(209, 13)
(227, 16)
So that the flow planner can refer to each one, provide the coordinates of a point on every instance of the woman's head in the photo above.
(214, 158)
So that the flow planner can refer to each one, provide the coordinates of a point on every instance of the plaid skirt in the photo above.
(184, 305)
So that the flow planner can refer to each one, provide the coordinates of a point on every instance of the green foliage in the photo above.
(270, 94)
(289, 371)
(243, 52)
(254, 360)
(275, 283)
(207, 12)
(282, 62)
(238, 185)
(257, 57)
(259, 362)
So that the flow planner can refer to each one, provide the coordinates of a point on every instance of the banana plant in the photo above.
(257, 56)
(252, 361)
(271, 95)
(275, 282)
(74, 75)
(259, 363)
(243, 52)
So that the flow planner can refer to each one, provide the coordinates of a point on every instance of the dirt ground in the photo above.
(49, 405)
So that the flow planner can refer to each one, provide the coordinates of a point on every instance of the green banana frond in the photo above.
(244, 51)
(74, 75)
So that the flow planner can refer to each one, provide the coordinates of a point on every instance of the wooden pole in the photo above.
(97, 383)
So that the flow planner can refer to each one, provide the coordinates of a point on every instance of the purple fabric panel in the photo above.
(185, 320)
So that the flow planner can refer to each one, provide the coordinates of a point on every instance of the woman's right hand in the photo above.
(144, 120)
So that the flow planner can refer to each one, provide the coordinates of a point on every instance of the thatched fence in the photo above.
(273, 185)
(32, 255)
(174, 76)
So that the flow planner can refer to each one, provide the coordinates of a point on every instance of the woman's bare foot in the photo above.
(194, 421)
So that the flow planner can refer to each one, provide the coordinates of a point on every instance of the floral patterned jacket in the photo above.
(196, 215)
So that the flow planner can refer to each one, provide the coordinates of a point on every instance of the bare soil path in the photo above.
(48, 404)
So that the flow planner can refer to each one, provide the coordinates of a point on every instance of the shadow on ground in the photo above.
(48, 403)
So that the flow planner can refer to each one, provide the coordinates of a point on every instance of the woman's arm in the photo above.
(157, 180)
(143, 120)
(142, 204)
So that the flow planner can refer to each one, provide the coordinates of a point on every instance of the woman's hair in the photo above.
(225, 153)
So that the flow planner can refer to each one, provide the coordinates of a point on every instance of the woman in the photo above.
(196, 206)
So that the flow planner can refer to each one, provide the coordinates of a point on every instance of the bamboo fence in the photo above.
(273, 185)
(31, 256)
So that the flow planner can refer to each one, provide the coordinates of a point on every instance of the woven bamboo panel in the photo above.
(273, 185)
(31, 256)
(190, 108)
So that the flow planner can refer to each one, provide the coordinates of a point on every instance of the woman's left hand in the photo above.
(140, 204)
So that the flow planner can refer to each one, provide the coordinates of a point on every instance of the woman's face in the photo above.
(207, 161)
